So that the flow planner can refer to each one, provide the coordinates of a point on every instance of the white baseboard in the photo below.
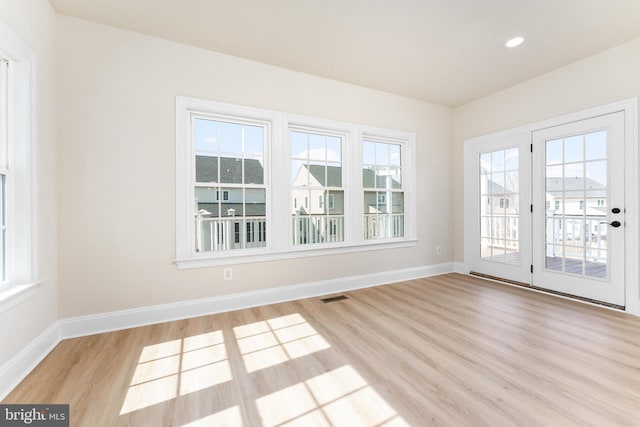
(116, 320)
(16, 369)
(461, 267)
(12, 372)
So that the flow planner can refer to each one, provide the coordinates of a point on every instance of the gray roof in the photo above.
(230, 170)
(334, 174)
(369, 177)
(555, 186)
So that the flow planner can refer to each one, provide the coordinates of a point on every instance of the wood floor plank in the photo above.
(448, 350)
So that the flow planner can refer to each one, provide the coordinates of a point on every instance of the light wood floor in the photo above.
(448, 350)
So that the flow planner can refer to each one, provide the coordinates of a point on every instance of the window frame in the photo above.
(20, 167)
(407, 174)
(278, 181)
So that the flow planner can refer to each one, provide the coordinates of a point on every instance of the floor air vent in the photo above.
(333, 299)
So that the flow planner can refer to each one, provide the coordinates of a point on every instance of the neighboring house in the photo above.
(218, 201)
(227, 217)
(592, 204)
(308, 195)
(318, 213)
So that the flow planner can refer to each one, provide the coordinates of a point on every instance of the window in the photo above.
(16, 174)
(229, 163)
(254, 185)
(316, 174)
(383, 190)
(4, 164)
(557, 204)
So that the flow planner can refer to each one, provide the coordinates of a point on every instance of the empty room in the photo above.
(319, 213)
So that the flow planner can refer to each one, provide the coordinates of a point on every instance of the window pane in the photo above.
(317, 147)
(253, 171)
(397, 202)
(368, 153)
(205, 135)
(334, 203)
(317, 175)
(511, 159)
(300, 173)
(230, 137)
(255, 202)
(299, 145)
(231, 170)
(596, 145)
(253, 140)
(206, 168)
(554, 151)
(334, 149)
(573, 149)
(394, 155)
(382, 154)
(596, 175)
(370, 202)
(497, 161)
(368, 177)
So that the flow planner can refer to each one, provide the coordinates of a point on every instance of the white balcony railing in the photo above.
(308, 229)
(581, 236)
(222, 234)
(383, 226)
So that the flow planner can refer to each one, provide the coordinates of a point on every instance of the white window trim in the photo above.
(278, 183)
(21, 205)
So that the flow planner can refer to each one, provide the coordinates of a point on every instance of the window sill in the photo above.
(16, 294)
(261, 255)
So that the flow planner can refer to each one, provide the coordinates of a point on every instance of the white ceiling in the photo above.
(448, 52)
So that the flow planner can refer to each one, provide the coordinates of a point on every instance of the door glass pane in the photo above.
(576, 194)
(499, 206)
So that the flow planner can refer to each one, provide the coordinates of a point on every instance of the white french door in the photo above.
(545, 207)
(498, 184)
(579, 227)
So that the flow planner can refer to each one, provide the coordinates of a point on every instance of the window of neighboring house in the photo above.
(317, 174)
(225, 195)
(557, 205)
(600, 202)
(382, 178)
(581, 204)
(229, 167)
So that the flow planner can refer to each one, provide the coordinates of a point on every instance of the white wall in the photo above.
(34, 21)
(610, 76)
(117, 166)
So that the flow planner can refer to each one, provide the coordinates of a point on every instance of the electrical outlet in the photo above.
(438, 250)
(227, 273)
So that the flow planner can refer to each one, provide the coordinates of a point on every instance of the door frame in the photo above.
(632, 242)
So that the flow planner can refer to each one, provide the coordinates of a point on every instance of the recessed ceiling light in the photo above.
(516, 41)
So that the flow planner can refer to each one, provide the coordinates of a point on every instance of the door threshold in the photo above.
(549, 291)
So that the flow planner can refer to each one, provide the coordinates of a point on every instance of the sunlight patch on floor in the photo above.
(175, 368)
(275, 341)
(336, 398)
(172, 369)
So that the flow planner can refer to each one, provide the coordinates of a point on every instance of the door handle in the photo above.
(614, 224)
